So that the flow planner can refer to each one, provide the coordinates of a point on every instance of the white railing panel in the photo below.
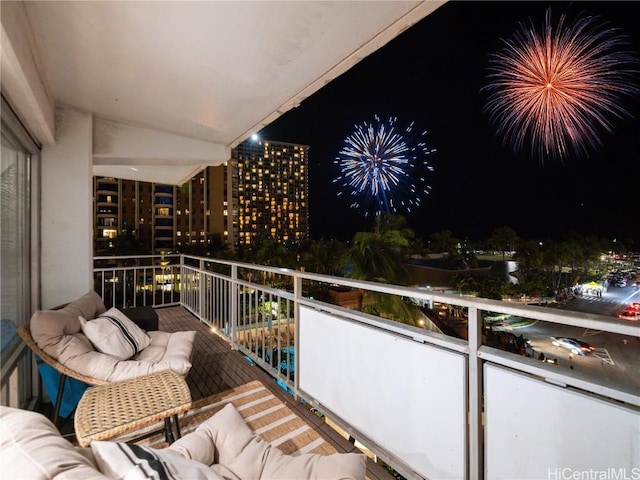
(407, 397)
(538, 430)
(402, 391)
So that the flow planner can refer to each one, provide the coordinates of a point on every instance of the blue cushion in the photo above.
(73, 389)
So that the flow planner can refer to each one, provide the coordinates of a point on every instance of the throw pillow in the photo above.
(241, 453)
(114, 334)
(134, 462)
(31, 448)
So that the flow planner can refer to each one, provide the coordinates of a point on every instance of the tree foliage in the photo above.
(504, 239)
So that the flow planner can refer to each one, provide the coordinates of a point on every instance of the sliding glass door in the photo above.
(17, 283)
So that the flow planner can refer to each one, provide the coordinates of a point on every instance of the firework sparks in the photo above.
(382, 168)
(561, 89)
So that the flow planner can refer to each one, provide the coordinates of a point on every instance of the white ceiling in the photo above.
(210, 71)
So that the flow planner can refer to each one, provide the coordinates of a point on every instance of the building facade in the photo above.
(262, 192)
(272, 192)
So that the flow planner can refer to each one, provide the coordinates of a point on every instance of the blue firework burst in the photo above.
(383, 167)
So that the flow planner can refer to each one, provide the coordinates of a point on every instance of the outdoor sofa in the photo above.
(221, 447)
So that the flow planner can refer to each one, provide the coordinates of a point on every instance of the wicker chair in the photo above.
(25, 333)
(57, 333)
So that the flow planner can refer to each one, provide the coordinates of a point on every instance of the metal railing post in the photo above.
(475, 397)
(233, 306)
(182, 282)
(201, 288)
(297, 294)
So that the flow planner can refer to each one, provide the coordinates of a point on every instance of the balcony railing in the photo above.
(431, 405)
(151, 280)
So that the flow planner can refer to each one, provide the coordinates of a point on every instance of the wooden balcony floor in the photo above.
(217, 368)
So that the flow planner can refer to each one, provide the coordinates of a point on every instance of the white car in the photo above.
(577, 347)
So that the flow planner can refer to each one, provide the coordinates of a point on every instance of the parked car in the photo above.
(575, 346)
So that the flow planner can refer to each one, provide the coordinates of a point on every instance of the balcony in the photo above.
(430, 405)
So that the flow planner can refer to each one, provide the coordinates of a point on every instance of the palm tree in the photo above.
(417, 247)
(528, 256)
(556, 256)
(321, 256)
(270, 252)
(381, 256)
(504, 239)
(444, 242)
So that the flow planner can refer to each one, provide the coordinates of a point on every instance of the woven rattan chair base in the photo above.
(108, 411)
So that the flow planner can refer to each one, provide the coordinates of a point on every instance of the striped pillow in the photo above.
(134, 462)
(114, 334)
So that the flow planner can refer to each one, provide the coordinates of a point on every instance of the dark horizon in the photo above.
(432, 74)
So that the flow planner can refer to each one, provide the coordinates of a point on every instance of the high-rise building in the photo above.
(272, 191)
(262, 192)
(131, 211)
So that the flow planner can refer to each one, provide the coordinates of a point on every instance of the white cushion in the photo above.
(168, 346)
(167, 351)
(32, 448)
(49, 327)
(236, 452)
(114, 334)
(119, 460)
(59, 333)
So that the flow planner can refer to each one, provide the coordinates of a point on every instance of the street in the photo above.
(617, 357)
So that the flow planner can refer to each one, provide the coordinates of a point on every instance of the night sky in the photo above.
(432, 74)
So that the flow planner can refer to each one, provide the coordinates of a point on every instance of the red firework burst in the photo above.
(561, 89)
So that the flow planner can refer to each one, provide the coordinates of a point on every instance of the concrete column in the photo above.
(67, 217)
